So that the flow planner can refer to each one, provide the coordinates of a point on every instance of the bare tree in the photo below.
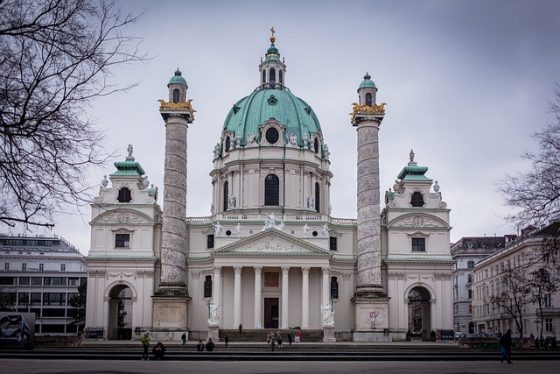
(536, 194)
(513, 295)
(542, 285)
(55, 57)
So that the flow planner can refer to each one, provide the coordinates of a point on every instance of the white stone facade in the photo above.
(271, 255)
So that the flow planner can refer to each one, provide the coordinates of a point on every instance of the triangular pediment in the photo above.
(271, 242)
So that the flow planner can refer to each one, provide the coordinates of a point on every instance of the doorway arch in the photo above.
(419, 313)
(120, 313)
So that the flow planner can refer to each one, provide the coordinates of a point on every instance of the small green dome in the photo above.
(177, 78)
(367, 82)
(250, 112)
(272, 49)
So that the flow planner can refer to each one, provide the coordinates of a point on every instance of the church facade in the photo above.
(271, 255)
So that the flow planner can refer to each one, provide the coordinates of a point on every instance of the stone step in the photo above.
(260, 335)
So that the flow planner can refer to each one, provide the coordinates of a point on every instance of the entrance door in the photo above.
(270, 312)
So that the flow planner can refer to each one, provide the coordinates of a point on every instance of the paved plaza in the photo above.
(169, 367)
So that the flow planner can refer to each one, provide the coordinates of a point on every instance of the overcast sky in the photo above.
(466, 84)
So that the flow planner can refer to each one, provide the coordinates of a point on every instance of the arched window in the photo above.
(264, 76)
(369, 100)
(316, 145)
(176, 95)
(226, 194)
(417, 199)
(334, 288)
(208, 286)
(470, 265)
(271, 190)
(317, 196)
(280, 77)
(124, 195)
(272, 75)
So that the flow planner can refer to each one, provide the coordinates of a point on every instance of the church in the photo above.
(271, 256)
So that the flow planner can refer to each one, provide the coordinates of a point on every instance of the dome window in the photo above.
(176, 95)
(317, 197)
(272, 75)
(308, 110)
(272, 135)
(417, 199)
(272, 100)
(280, 77)
(235, 109)
(264, 76)
(316, 145)
(271, 190)
(226, 195)
(369, 100)
(124, 195)
(227, 145)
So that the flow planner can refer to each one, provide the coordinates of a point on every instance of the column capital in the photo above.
(217, 269)
(237, 269)
(258, 268)
(285, 269)
(305, 270)
(326, 269)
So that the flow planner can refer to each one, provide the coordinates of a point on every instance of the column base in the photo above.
(328, 334)
(214, 332)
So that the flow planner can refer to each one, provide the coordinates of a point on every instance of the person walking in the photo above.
(279, 341)
(505, 347)
(210, 345)
(184, 338)
(145, 340)
(289, 338)
(272, 342)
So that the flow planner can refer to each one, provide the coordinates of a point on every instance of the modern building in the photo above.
(467, 252)
(41, 275)
(508, 285)
(271, 255)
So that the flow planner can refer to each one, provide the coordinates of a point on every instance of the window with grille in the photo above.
(417, 199)
(418, 244)
(334, 288)
(369, 99)
(210, 241)
(122, 240)
(226, 195)
(333, 243)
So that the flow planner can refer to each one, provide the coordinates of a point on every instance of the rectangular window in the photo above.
(35, 298)
(548, 324)
(470, 294)
(210, 241)
(41, 267)
(6, 266)
(333, 243)
(47, 281)
(23, 298)
(7, 280)
(24, 281)
(73, 281)
(62, 267)
(547, 301)
(23, 267)
(418, 244)
(122, 240)
(36, 281)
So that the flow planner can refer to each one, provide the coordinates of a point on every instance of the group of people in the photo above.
(275, 340)
(158, 351)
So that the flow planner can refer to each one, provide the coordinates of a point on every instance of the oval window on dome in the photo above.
(272, 135)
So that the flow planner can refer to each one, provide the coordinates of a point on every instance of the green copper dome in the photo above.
(177, 79)
(252, 111)
(367, 82)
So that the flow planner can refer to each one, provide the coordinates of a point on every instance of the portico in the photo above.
(289, 287)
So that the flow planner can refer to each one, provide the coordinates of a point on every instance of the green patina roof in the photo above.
(367, 82)
(413, 172)
(128, 168)
(177, 78)
(250, 112)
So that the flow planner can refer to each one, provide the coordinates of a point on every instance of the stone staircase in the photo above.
(260, 335)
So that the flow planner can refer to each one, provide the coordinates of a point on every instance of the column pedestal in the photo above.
(214, 332)
(328, 334)
(169, 317)
(372, 320)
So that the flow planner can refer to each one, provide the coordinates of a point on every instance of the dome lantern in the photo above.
(272, 70)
